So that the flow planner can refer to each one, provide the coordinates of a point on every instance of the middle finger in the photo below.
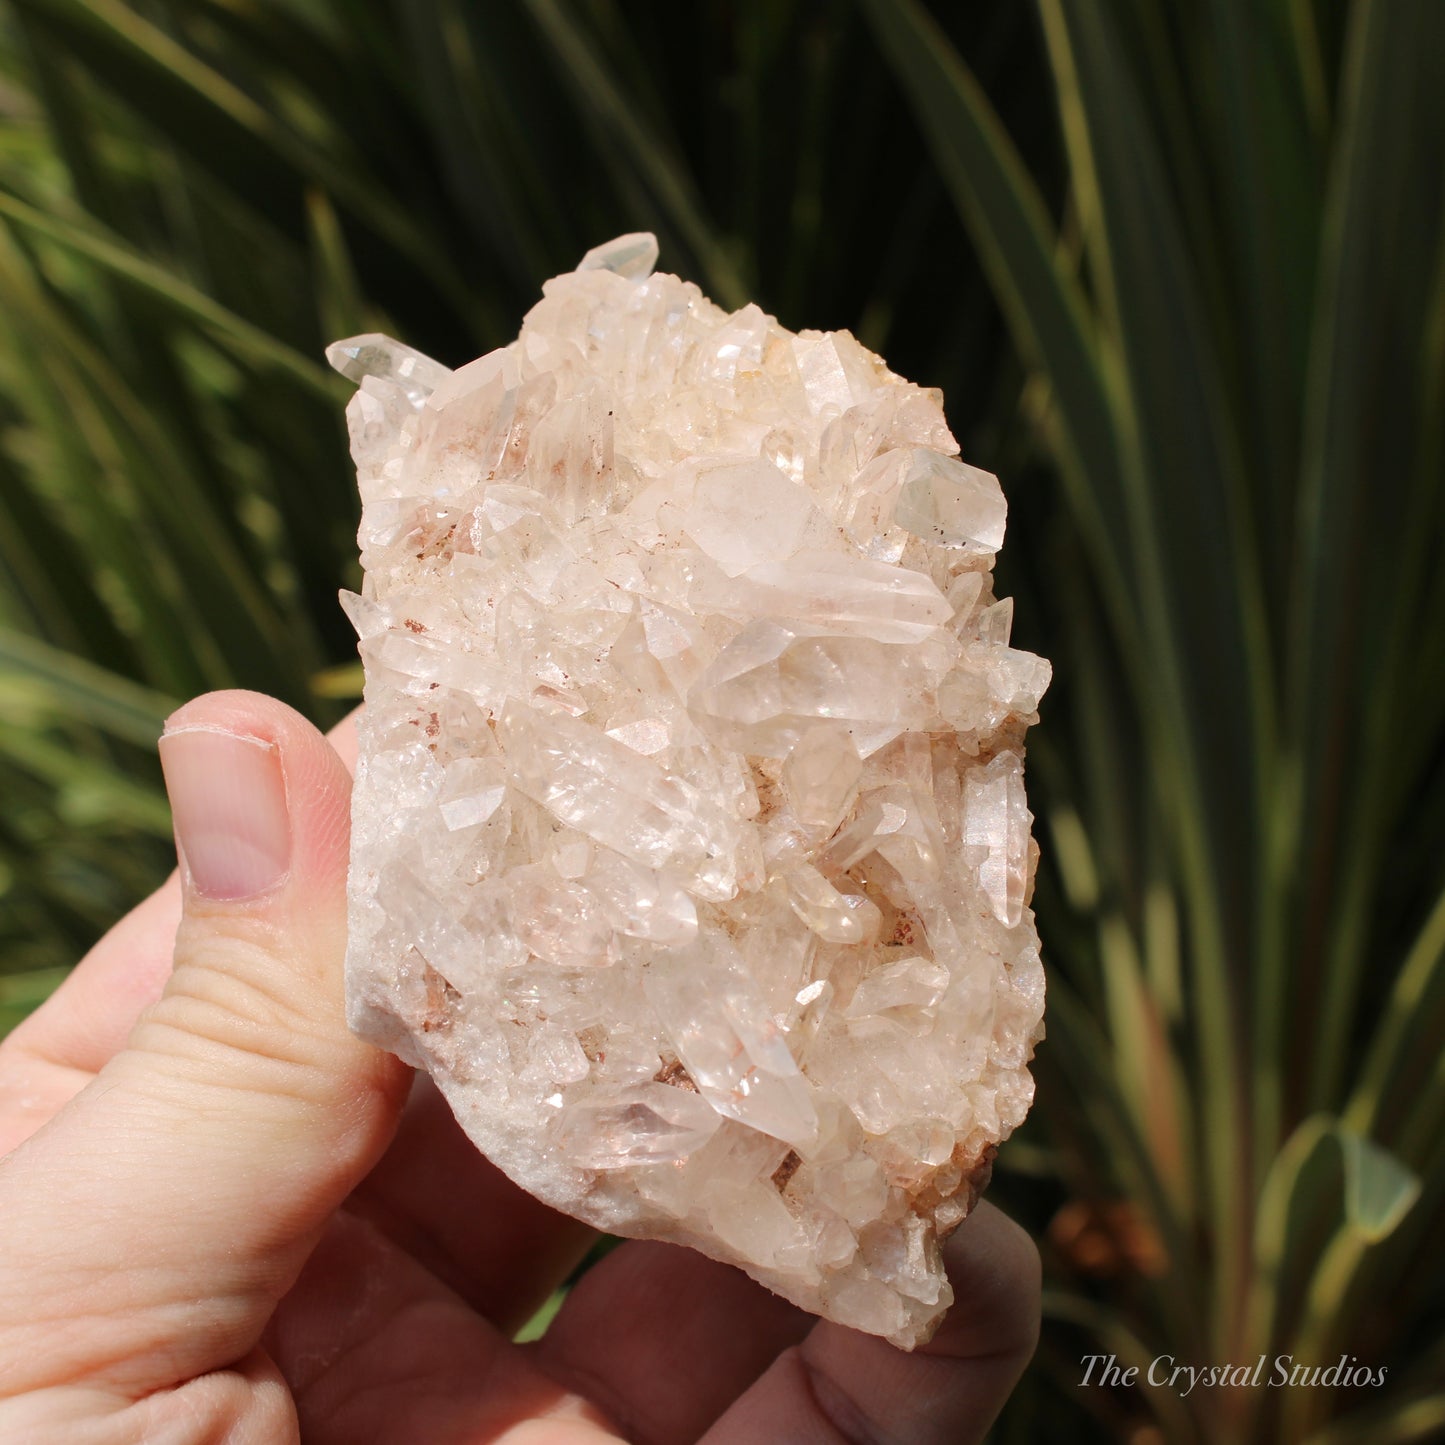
(435, 1195)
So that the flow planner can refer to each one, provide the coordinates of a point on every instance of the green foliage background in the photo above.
(1180, 270)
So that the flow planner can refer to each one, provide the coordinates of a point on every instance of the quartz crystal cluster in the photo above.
(691, 854)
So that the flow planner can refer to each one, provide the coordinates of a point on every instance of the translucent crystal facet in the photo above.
(691, 853)
(944, 500)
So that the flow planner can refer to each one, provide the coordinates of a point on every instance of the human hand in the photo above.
(226, 1219)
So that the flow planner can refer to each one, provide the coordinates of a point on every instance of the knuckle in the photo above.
(233, 1002)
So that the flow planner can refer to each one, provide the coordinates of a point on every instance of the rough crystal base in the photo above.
(690, 847)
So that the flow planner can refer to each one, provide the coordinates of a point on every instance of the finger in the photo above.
(152, 1225)
(49, 1057)
(664, 1339)
(87, 1019)
(344, 741)
(841, 1385)
(492, 1243)
(373, 1347)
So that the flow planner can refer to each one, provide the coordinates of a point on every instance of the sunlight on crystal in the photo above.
(691, 852)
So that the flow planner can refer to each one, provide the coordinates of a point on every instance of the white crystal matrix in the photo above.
(691, 854)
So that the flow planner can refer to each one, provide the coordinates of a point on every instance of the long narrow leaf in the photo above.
(80, 689)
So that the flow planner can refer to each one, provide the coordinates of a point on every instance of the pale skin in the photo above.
(226, 1219)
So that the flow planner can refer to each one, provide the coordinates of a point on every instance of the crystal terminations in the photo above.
(690, 849)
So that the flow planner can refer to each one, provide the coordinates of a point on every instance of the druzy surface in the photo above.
(691, 854)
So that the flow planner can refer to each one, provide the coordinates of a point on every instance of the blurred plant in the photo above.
(1237, 339)
(1214, 237)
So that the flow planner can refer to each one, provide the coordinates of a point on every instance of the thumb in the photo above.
(152, 1225)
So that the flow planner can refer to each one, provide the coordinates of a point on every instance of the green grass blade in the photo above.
(1361, 427)
(92, 794)
(79, 689)
(207, 113)
(230, 330)
(1301, 1178)
(474, 88)
(1185, 535)
(536, 1327)
(1016, 242)
(655, 161)
(1407, 1041)
(340, 306)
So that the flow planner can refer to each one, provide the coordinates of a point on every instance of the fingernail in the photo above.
(228, 802)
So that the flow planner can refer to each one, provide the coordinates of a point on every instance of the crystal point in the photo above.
(821, 775)
(632, 256)
(415, 375)
(945, 501)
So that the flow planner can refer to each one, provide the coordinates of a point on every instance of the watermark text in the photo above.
(1276, 1372)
